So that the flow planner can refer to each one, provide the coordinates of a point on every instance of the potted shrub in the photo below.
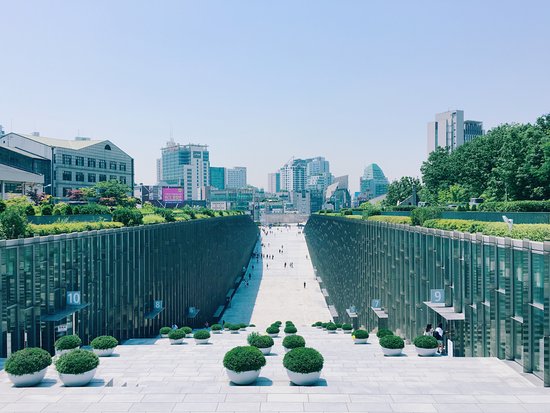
(164, 331)
(392, 345)
(188, 331)
(176, 336)
(227, 326)
(383, 332)
(104, 345)
(425, 345)
(331, 328)
(293, 341)
(243, 364)
(27, 367)
(252, 325)
(319, 324)
(338, 326)
(303, 365)
(201, 337)
(347, 328)
(234, 328)
(77, 368)
(263, 343)
(360, 336)
(279, 323)
(67, 343)
(242, 326)
(216, 328)
(290, 330)
(272, 331)
(324, 326)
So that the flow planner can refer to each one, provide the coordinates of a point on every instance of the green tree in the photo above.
(111, 193)
(401, 189)
(13, 222)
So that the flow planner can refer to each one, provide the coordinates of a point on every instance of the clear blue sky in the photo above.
(354, 81)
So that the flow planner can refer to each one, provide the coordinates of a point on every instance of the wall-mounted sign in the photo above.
(62, 328)
(376, 303)
(437, 296)
(157, 305)
(74, 298)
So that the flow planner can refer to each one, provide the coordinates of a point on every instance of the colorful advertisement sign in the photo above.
(172, 194)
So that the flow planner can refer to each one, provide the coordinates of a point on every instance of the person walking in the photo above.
(438, 335)
(429, 331)
(304, 284)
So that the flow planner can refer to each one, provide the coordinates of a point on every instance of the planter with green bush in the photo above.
(293, 341)
(188, 331)
(77, 368)
(234, 328)
(331, 328)
(227, 326)
(201, 337)
(303, 365)
(66, 344)
(290, 330)
(383, 332)
(104, 345)
(243, 364)
(347, 328)
(263, 343)
(319, 324)
(272, 331)
(392, 345)
(242, 326)
(216, 328)
(27, 367)
(426, 346)
(176, 336)
(164, 331)
(360, 336)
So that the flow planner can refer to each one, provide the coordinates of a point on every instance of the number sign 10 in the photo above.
(73, 298)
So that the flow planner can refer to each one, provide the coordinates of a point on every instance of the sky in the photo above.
(261, 82)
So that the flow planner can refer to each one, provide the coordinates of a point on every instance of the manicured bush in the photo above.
(338, 325)
(234, 327)
(201, 335)
(93, 209)
(392, 342)
(216, 327)
(278, 323)
(294, 342)
(347, 327)
(289, 323)
(324, 325)
(515, 206)
(68, 227)
(391, 219)
(186, 330)
(47, 209)
(227, 325)
(383, 332)
(68, 342)
(104, 342)
(318, 324)
(252, 325)
(290, 329)
(361, 334)
(243, 325)
(419, 215)
(272, 330)
(176, 334)
(165, 330)
(27, 361)
(244, 358)
(29, 210)
(261, 341)
(252, 337)
(425, 342)
(152, 219)
(331, 327)
(303, 360)
(76, 362)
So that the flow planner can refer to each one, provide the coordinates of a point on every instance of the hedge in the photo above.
(516, 206)
(67, 227)
(392, 219)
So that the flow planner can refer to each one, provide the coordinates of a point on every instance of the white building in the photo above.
(449, 130)
(235, 178)
(273, 182)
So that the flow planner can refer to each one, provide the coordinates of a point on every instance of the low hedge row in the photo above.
(392, 219)
(516, 206)
(66, 227)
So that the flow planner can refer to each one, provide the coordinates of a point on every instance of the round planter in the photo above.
(360, 340)
(273, 335)
(347, 331)
(426, 352)
(290, 334)
(190, 335)
(242, 329)
(226, 329)
(244, 377)
(178, 341)
(104, 352)
(303, 379)
(338, 329)
(265, 351)
(164, 336)
(28, 380)
(75, 380)
(332, 332)
(216, 332)
(234, 331)
(392, 351)
(319, 327)
(324, 329)
(61, 352)
(201, 341)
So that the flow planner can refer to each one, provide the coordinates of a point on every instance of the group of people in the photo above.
(438, 334)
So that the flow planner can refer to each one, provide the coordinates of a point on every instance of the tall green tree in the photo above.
(401, 189)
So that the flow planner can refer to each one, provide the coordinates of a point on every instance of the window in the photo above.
(67, 176)
(79, 160)
(107, 147)
(122, 179)
(112, 177)
(102, 165)
(67, 160)
(13, 187)
(122, 166)
(91, 162)
(112, 165)
(91, 177)
(102, 178)
(79, 176)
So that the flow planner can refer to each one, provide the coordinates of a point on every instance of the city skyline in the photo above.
(261, 83)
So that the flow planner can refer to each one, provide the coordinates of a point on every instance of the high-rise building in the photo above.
(373, 183)
(293, 175)
(187, 166)
(273, 182)
(449, 130)
(235, 178)
(217, 177)
(159, 170)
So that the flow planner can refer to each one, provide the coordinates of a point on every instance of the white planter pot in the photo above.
(226, 329)
(331, 331)
(216, 332)
(290, 334)
(28, 380)
(74, 380)
(303, 379)
(234, 331)
(273, 335)
(242, 329)
(164, 336)
(242, 378)
(265, 351)
(347, 331)
(392, 351)
(190, 335)
(426, 352)
(104, 352)
(324, 329)
(360, 340)
(61, 352)
(201, 341)
(319, 327)
(178, 341)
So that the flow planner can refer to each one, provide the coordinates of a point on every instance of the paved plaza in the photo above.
(151, 375)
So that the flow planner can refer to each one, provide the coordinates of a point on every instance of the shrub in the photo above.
(361, 334)
(176, 334)
(244, 358)
(68, 342)
(290, 329)
(67, 227)
(252, 337)
(289, 323)
(294, 342)
(165, 330)
(392, 342)
(201, 335)
(77, 362)
(234, 327)
(262, 341)
(216, 327)
(272, 330)
(104, 342)
(383, 332)
(153, 219)
(278, 323)
(419, 215)
(243, 325)
(128, 216)
(347, 327)
(186, 330)
(392, 219)
(516, 206)
(2, 206)
(227, 325)
(29, 210)
(318, 324)
(13, 223)
(47, 209)
(303, 360)
(338, 325)
(425, 342)
(252, 325)
(27, 361)
(93, 209)
(331, 327)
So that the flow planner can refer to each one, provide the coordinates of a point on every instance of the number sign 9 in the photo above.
(437, 296)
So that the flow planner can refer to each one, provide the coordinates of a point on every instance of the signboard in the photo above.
(218, 206)
(376, 303)
(157, 305)
(197, 155)
(74, 298)
(172, 194)
(437, 296)
(62, 328)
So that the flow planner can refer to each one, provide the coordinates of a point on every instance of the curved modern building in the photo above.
(373, 183)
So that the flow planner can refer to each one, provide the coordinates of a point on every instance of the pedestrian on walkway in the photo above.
(438, 334)
(429, 331)
(304, 284)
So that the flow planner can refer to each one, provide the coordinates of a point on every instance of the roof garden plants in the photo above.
(383, 332)
(77, 368)
(425, 345)
(104, 345)
(243, 364)
(290, 329)
(67, 343)
(27, 367)
(164, 331)
(392, 345)
(303, 365)
(290, 342)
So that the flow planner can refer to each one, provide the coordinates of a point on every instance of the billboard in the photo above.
(172, 194)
